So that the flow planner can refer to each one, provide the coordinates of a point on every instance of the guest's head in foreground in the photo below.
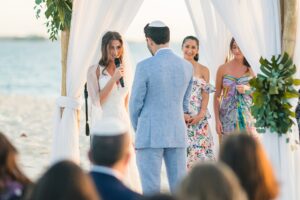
(110, 155)
(12, 180)
(190, 48)
(110, 145)
(211, 181)
(161, 197)
(246, 157)
(111, 48)
(157, 36)
(237, 53)
(64, 180)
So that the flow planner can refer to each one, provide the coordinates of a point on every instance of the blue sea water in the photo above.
(32, 67)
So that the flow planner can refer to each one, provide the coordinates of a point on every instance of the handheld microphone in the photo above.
(117, 63)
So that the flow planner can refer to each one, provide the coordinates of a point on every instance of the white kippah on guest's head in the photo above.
(109, 127)
(158, 24)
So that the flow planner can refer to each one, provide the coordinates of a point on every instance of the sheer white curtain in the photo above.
(255, 25)
(214, 43)
(297, 47)
(90, 19)
(297, 62)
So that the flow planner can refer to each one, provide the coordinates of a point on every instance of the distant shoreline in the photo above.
(42, 38)
(33, 38)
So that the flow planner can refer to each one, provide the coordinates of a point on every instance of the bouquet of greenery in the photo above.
(272, 93)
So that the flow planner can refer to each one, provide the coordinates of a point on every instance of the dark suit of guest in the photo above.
(111, 188)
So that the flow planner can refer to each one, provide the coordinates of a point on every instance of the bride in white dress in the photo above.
(108, 97)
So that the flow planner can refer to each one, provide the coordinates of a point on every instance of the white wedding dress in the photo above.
(114, 106)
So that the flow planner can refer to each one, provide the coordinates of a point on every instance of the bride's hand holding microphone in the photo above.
(119, 73)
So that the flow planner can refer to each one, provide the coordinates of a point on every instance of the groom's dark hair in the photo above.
(160, 35)
(108, 150)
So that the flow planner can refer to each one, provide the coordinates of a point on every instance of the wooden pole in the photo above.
(65, 34)
(289, 25)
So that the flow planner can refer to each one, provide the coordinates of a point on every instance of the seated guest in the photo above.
(246, 157)
(110, 154)
(211, 181)
(64, 181)
(13, 183)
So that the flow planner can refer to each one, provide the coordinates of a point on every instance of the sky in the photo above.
(17, 18)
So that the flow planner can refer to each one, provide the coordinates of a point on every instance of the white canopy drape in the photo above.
(255, 25)
(214, 43)
(90, 19)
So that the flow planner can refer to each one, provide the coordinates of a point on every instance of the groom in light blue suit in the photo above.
(159, 99)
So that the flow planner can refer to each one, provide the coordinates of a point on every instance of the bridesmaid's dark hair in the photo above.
(245, 62)
(190, 37)
(106, 40)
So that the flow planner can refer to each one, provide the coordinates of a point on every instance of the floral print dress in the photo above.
(235, 113)
(200, 140)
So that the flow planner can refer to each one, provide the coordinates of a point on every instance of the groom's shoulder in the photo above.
(145, 62)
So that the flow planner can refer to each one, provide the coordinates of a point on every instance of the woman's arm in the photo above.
(204, 102)
(217, 96)
(205, 94)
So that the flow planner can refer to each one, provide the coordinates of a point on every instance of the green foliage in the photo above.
(58, 14)
(273, 89)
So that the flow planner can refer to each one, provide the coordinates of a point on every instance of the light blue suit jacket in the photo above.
(159, 98)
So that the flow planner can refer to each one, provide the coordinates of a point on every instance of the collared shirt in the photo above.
(107, 170)
(161, 49)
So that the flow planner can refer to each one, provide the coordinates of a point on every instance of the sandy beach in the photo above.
(28, 122)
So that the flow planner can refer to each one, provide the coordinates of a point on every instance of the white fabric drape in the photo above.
(296, 136)
(255, 25)
(90, 19)
(214, 40)
(297, 47)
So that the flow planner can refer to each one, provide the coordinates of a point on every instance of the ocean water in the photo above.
(32, 67)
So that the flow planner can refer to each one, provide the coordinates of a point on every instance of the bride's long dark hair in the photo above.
(106, 40)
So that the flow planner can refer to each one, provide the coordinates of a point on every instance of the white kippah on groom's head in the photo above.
(158, 31)
(157, 23)
(109, 127)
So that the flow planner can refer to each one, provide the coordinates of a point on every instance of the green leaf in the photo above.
(265, 71)
(284, 58)
(38, 2)
(290, 95)
(296, 81)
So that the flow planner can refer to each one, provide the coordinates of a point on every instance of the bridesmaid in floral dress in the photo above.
(232, 100)
(200, 141)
